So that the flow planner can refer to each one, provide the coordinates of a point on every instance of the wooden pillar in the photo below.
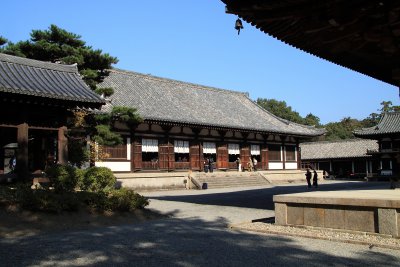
(298, 155)
(62, 146)
(22, 155)
(264, 153)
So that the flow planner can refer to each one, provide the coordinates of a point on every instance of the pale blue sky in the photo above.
(195, 41)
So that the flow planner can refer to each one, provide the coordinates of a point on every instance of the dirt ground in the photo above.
(14, 223)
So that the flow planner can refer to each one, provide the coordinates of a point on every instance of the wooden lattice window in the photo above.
(274, 153)
(116, 152)
(290, 153)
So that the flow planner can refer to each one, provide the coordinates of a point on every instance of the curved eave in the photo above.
(222, 127)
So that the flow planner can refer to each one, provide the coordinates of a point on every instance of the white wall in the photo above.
(275, 165)
(291, 165)
(115, 166)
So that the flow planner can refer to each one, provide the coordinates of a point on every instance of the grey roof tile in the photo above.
(389, 124)
(352, 148)
(44, 79)
(175, 101)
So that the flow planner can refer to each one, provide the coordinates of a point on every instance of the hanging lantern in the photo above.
(238, 25)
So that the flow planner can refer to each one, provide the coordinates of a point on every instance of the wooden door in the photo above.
(222, 156)
(166, 156)
(195, 156)
(136, 154)
(244, 155)
(264, 157)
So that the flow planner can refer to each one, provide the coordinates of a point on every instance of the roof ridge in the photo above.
(340, 141)
(204, 87)
(38, 63)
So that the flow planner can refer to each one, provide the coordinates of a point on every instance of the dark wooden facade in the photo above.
(167, 159)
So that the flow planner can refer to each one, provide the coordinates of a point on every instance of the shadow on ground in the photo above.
(182, 242)
(262, 198)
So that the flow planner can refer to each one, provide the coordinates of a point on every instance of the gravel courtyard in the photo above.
(195, 233)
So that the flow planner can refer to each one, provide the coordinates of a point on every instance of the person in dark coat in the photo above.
(315, 179)
(211, 162)
(308, 178)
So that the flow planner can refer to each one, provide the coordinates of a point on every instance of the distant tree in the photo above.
(343, 129)
(311, 120)
(280, 109)
(3, 40)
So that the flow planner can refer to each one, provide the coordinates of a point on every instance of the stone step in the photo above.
(231, 180)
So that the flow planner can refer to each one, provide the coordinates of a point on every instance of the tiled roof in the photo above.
(44, 79)
(389, 124)
(181, 102)
(352, 148)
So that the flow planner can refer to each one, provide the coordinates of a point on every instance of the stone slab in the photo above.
(366, 198)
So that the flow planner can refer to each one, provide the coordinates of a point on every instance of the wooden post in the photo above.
(22, 155)
(62, 145)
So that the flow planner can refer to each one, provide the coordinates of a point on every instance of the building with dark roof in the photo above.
(387, 134)
(36, 98)
(341, 158)
(185, 124)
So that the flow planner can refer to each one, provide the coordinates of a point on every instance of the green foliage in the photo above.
(126, 200)
(104, 136)
(97, 179)
(45, 200)
(126, 114)
(343, 129)
(114, 200)
(107, 91)
(282, 110)
(59, 45)
(103, 133)
(311, 120)
(3, 40)
(77, 151)
(64, 178)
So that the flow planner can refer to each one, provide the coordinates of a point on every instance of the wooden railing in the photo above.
(182, 165)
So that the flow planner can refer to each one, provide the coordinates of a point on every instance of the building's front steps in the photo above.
(217, 179)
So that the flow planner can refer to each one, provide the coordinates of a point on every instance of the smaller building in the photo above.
(36, 99)
(345, 158)
(387, 135)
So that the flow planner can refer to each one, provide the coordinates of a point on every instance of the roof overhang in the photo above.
(360, 35)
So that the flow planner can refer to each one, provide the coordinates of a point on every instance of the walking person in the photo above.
(308, 178)
(315, 179)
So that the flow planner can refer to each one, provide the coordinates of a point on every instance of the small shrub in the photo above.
(113, 200)
(46, 200)
(98, 179)
(64, 177)
(126, 200)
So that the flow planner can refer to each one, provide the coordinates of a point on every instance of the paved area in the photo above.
(194, 235)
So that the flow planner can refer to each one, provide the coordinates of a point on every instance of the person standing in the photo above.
(255, 164)
(315, 179)
(250, 165)
(211, 162)
(239, 164)
(308, 178)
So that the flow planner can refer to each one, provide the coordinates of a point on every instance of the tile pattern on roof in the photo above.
(36, 78)
(389, 124)
(175, 101)
(352, 148)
